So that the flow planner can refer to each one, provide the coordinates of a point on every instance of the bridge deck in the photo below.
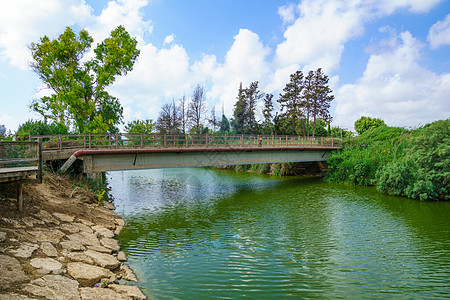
(18, 173)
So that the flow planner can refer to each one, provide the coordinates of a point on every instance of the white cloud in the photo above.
(169, 39)
(396, 88)
(439, 33)
(287, 12)
(25, 21)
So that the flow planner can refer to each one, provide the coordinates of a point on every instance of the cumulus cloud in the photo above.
(396, 88)
(22, 22)
(439, 33)
(169, 39)
(287, 12)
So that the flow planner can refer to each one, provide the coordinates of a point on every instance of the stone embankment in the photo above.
(62, 248)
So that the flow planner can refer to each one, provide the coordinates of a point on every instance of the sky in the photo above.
(388, 59)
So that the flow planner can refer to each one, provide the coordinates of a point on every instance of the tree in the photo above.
(183, 108)
(2, 130)
(169, 121)
(291, 101)
(365, 123)
(224, 125)
(197, 108)
(78, 85)
(267, 114)
(213, 120)
(32, 127)
(320, 98)
(140, 126)
(240, 110)
(253, 95)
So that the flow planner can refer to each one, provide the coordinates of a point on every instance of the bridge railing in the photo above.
(20, 156)
(126, 140)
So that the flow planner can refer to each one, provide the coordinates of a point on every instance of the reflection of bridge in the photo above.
(109, 152)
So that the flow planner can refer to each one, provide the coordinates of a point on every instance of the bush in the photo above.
(415, 164)
(32, 127)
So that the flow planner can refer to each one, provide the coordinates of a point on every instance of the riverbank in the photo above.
(62, 245)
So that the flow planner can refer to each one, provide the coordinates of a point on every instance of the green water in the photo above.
(201, 234)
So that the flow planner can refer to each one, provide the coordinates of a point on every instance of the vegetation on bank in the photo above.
(410, 163)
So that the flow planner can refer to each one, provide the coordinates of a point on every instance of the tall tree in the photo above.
(79, 97)
(321, 99)
(291, 101)
(197, 109)
(267, 114)
(183, 108)
(366, 123)
(224, 125)
(169, 121)
(213, 120)
(253, 95)
(240, 111)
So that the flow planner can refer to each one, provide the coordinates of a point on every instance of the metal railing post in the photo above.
(40, 159)
(89, 141)
(165, 141)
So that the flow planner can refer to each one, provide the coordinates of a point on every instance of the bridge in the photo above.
(121, 151)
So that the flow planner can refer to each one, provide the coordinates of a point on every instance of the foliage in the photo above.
(244, 112)
(183, 106)
(424, 171)
(31, 127)
(338, 132)
(414, 164)
(140, 126)
(292, 102)
(224, 125)
(78, 85)
(267, 114)
(169, 121)
(365, 123)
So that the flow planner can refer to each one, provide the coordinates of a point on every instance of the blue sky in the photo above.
(385, 58)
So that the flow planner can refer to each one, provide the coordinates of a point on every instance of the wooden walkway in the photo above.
(20, 162)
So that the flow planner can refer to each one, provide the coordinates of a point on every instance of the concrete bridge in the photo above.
(111, 152)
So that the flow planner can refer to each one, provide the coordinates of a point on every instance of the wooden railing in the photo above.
(125, 140)
(17, 157)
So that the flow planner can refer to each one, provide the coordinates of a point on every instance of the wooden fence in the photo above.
(125, 140)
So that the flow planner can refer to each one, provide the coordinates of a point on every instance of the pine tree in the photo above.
(267, 113)
(169, 121)
(253, 94)
(240, 110)
(291, 101)
(321, 98)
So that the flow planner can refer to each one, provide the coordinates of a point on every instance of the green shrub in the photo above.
(32, 127)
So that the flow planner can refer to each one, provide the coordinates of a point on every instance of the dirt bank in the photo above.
(62, 245)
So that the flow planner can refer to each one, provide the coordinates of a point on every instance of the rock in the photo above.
(121, 256)
(100, 249)
(110, 244)
(131, 291)
(49, 249)
(118, 229)
(84, 238)
(109, 205)
(83, 227)
(102, 231)
(46, 265)
(47, 217)
(103, 260)
(14, 296)
(101, 294)
(127, 273)
(86, 222)
(29, 222)
(11, 272)
(54, 287)
(87, 275)
(48, 235)
(80, 257)
(2, 236)
(24, 251)
(120, 222)
(64, 217)
(72, 245)
(69, 228)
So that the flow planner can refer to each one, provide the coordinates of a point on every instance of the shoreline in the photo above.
(62, 246)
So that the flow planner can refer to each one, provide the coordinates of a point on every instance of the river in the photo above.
(205, 233)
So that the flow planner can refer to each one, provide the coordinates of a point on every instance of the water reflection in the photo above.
(198, 233)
